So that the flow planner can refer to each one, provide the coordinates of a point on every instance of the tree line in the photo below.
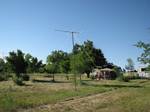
(83, 59)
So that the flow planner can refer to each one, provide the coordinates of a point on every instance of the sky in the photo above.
(114, 26)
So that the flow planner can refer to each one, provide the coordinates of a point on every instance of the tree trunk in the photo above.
(67, 77)
(88, 74)
(80, 79)
(53, 78)
(17, 75)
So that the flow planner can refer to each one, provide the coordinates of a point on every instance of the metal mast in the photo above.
(72, 36)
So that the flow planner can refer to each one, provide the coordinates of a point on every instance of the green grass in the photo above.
(34, 94)
(131, 100)
(13, 97)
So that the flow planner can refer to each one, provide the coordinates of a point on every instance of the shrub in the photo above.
(123, 78)
(131, 75)
(92, 77)
(3, 77)
(126, 79)
(18, 80)
(25, 77)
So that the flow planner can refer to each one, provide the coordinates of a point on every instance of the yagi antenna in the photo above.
(67, 31)
(72, 34)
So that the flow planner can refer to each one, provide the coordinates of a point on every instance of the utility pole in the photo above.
(72, 36)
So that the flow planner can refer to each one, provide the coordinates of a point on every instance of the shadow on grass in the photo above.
(144, 81)
(87, 80)
(121, 86)
(112, 85)
(49, 81)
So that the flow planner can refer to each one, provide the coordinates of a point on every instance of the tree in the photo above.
(93, 57)
(109, 65)
(130, 65)
(99, 58)
(8, 68)
(77, 48)
(78, 64)
(52, 69)
(18, 65)
(118, 71)
(3, 75)
(17, 62)
(2, 65)
(65, 67)
(56, 61)
(88, 53)
(62, 60)
(56, 57)
(28, 59)
(145, 56)
(33, 64)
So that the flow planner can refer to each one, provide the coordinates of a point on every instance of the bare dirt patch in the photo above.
(92, 103)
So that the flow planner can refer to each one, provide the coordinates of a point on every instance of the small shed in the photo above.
(106, 73)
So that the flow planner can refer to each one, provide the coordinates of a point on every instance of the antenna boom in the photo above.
(67, 31)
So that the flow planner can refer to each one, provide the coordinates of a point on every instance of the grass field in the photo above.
(92, 96)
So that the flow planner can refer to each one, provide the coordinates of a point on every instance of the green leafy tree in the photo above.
(3, 75)
(88, 54)
(130, 64)
(118, 71)
(57, 62)
(36, 65)
(17, 62)
(52, 69)
(145, 56)
(42, 68)
(99, 58)
(33, 64)
(65, 67)
(28, 59)
(61, 59)
(2, 65)
(8, 68)
(78, 64)
(92, 56)
(77, 48)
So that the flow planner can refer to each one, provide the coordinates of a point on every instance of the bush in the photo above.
(25, 77)
(131, 75)
(92, 77)
(126, 79)
(123, 78)
(3, 77)
(18, 80)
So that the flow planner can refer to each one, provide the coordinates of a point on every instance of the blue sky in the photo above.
(113, 25)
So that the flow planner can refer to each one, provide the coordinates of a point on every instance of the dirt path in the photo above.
(92, 103)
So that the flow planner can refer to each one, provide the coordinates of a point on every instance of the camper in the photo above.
(101, 74)
(143, 73)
